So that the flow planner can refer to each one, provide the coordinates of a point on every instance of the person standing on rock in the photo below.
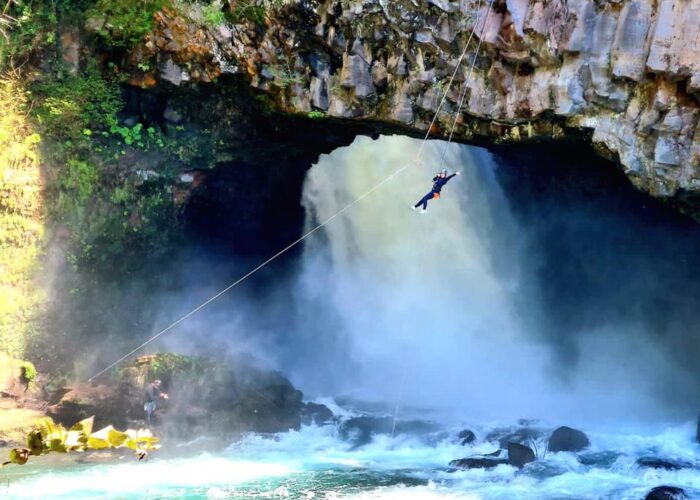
(439, 182)
(153, 394)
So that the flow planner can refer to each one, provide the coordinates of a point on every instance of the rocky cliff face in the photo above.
(625, 72)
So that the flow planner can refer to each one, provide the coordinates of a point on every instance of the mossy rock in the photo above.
(15, 376)
(235, 395)
(165, 366)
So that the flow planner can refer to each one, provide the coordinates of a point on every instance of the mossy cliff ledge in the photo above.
(625, 73)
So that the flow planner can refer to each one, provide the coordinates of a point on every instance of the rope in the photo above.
(463, 94)
(449, 84)
(316, 228)
(251, 272)
(398, 399)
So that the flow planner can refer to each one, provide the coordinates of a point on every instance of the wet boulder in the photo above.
(663, 463)
(15, 376)
(466, 437)
(206, 396)
(519, 455)
(105, 402)
(316, 414)
(568, 439)
(600, 459)
(359, 431)
(506, 435)
(487, 461)
(666, 493)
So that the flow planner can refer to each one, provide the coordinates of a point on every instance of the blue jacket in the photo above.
(439, 182)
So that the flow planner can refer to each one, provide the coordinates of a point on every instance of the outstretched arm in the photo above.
(451, 176)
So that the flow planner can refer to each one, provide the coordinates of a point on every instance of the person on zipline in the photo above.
(439, 182)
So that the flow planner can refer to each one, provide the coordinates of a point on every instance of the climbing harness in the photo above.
(343, 209)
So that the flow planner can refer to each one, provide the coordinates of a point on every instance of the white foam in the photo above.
(314, 463)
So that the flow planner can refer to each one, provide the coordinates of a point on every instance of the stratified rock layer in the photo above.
(626, 72)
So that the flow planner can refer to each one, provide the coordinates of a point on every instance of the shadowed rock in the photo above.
(666, 493)
(568, 439)
(663, 463)
(601, 459)
(360, 430)
(519, 455)
(523, 435)
(314, 413)
(466, 437)
(487, 461)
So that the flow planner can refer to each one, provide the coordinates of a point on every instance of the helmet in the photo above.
(443, 171)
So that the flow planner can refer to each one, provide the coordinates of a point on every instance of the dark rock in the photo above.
(507, 435)
(130, 121)
(666, 493)
(567, 439)
(313, 413)
(488, 461)
(107, 404)
(663, 463)
(466, 437)
(519, 455)
(205, 397)
(70, 45)
(478, 463)
(360, 430)
(173, 115)
(602, 459)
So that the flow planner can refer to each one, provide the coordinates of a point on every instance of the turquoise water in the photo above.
(315, 463)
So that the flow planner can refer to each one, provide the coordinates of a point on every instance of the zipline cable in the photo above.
(462, 96)
(317, 227)
(251, 272)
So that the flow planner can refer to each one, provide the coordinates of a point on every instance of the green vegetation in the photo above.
(71, 107)
(167, 365)
(25, 27)
(316, 115)
(213, 14)
(254, 11)
(28, 371)
(285, 76)
(72, 172)
(21, 218)
(50, 437)
(126, 22)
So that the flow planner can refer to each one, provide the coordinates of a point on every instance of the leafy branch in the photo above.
(6, 20)
(49, 437)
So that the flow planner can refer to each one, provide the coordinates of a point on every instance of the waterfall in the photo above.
(390, 294)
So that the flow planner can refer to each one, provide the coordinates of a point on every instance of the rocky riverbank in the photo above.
(206, 398)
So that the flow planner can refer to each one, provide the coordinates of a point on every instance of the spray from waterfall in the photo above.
(447, 295)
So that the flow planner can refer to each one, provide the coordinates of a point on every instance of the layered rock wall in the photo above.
(626, 72)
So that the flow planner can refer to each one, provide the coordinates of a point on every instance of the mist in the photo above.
(448, 310)
(508, 299)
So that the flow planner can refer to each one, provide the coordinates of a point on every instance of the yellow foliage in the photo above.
(49, 436)
(21, 223)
